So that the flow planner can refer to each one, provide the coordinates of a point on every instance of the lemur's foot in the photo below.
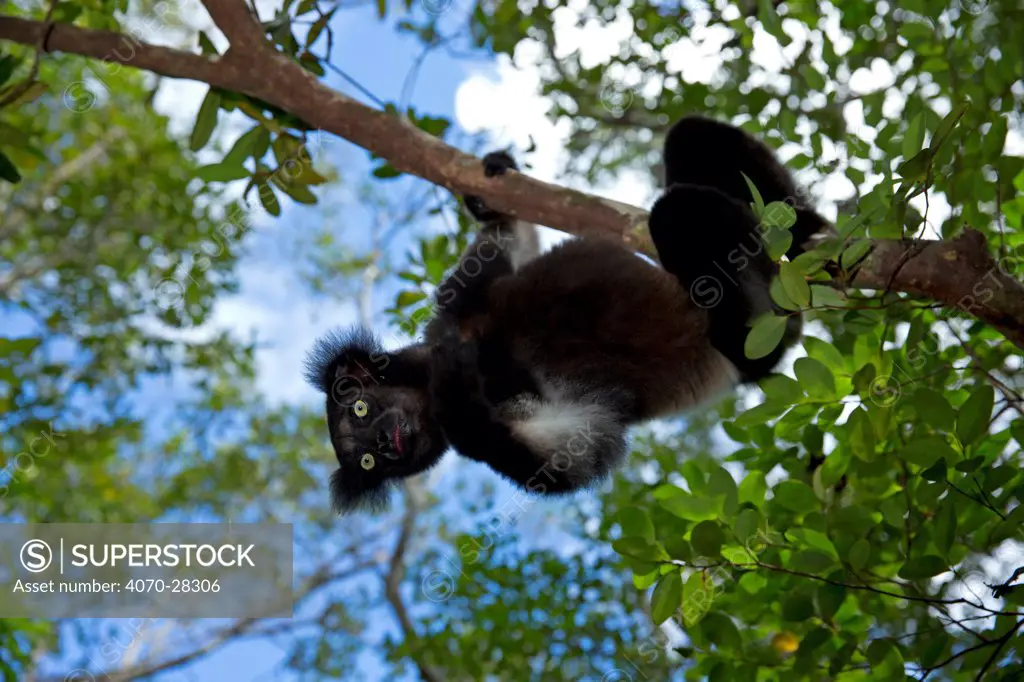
(495, 163)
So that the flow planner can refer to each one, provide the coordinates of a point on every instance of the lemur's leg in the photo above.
(519, 238)
(502, 246)
(544, 446)
(702, 151)
(709, 241)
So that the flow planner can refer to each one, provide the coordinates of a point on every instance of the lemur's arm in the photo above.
(502, 246)
(544, 446)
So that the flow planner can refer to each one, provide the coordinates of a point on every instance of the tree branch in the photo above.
(960, 273)
(237, 23)
(393, 582)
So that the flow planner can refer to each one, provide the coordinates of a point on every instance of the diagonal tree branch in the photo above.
(960, 274)
(393, 581)
(237, 23)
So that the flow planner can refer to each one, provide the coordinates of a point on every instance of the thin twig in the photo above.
(21, 88)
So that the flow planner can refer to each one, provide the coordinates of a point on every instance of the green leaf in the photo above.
(721, 484)
(796, 496)
(947, 124)
(759, 414)
(795, 285)
(699, 593)
(779, 295)
(925, 451)
(830, 598)
(859, 554)
(878, 650)
(936, 472)
(408, 298)
(636, 522)
(269, 199)
(769, 18)
(667, 597)
(933, 647)
(973, 417)
(684, 505)
(827, 297)
(854, 253)
(641, 549)
(825, 352)
(299, 193)
(753, 488)
(245, 146)
(721, 631)
(765, 336)
(752, 582)
(707, 538)
(1017, 429)
(933, 409)
(735, 554)
(781, 389)
(433, 125)
(815, 377)
(758, 201)
(778, 215)
(320, 24)
(206, 45)
(206, 120)
(8, 63)
(923, 567)
(913, 139)
(748, 528)
(810, 262)
(642, 580)
(386, 171)
(222, 172)
(796, 608)
(945, 527)
(861, 434)
(7, 170)
(777, 240)
(815, 540)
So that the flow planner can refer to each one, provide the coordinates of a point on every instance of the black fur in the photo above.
(537, 365)
(721, 259)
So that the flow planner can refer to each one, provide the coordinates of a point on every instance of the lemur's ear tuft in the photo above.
(353, 353)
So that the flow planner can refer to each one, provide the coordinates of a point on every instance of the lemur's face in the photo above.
(378, 415)
(380, 433)
(384, 430)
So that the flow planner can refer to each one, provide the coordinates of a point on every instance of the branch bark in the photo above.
(393, 582)
(960, 274)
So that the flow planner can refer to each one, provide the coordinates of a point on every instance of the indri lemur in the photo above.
(538, 364)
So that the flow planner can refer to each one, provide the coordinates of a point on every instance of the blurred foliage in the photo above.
(856, 517)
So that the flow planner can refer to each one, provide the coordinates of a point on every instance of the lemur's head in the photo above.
(378, 415)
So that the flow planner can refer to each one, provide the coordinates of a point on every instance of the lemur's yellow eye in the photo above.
(359, 409)
(367, 460)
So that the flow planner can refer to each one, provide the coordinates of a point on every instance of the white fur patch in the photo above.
(553, 424)
(525, 244)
